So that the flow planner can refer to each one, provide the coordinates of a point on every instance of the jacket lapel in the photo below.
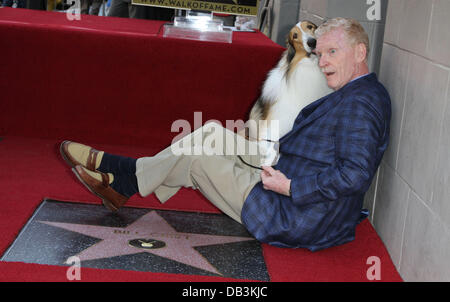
(318, 108)
(313, 111)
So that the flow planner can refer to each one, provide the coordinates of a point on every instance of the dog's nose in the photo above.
(311, 43)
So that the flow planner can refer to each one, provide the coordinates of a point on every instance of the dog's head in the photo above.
(302, 38)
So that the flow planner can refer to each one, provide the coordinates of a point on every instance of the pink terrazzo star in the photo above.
(156, 237)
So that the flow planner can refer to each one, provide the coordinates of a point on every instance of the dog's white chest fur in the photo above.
(305, 85)
(286, 94)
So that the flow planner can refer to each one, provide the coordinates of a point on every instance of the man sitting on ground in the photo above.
(313, 197)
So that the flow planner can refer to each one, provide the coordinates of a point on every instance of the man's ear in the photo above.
(360, 52)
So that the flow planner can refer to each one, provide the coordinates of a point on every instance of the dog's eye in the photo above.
(309, 27)
(295, 36)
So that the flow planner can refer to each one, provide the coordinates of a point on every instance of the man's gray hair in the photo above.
(353, 29)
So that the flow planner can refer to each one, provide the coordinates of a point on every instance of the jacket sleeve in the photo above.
(358, 132)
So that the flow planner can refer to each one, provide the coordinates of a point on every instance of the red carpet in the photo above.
(116, 84)
(32, 170)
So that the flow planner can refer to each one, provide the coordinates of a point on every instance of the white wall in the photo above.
(410, 196)
(412, 202)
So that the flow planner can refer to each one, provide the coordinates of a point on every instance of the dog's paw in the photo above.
(269, 153)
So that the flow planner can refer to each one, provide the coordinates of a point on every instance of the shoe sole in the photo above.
(108, 204)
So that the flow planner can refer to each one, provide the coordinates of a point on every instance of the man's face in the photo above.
(337, 58)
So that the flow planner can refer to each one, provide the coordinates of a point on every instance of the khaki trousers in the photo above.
(206, 160)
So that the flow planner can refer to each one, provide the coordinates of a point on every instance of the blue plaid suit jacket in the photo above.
(331, 156)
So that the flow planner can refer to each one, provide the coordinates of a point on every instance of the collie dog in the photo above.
(294, 83)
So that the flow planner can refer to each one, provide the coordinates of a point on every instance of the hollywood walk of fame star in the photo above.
(149, 234)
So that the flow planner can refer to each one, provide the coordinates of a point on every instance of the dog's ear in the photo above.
(290, 52)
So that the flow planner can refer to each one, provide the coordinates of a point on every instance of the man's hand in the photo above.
(275, 180)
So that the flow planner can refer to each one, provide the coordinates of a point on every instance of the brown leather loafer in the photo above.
(111, 198)
(68, 158)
